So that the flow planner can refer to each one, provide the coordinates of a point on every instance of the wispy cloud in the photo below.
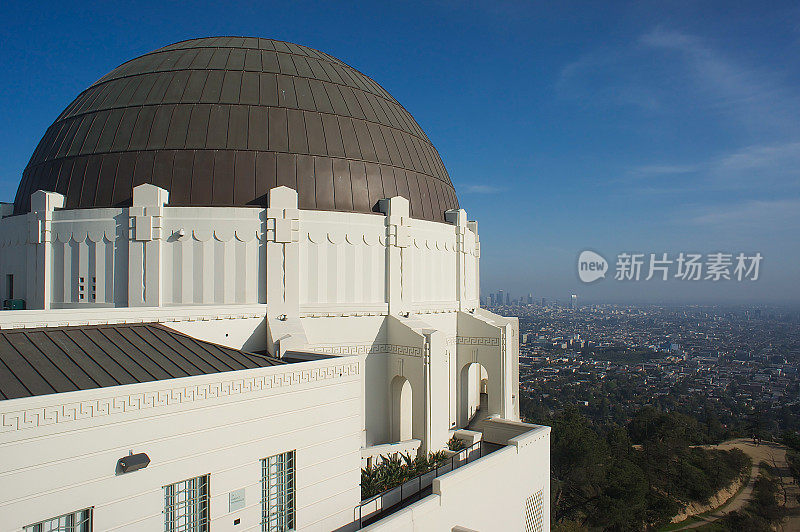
(752, 214)
(664, 70)
(758, 157)
(481, 189)
(664, 169)
(755, 166)
(754, 95)
(604, 77)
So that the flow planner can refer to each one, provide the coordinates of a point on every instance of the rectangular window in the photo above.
(80, 521)
(278, 493)
(186, 505)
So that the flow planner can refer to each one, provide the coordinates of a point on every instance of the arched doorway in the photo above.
(474, 391)
(402, 408)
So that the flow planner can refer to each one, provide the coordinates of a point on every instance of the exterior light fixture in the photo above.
(132, 462)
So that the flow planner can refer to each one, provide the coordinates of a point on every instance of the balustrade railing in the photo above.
(372, 508)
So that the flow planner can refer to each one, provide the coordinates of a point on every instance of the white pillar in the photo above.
(473, 226)
(40, 252)
(285, 332)
(283, 253)
(458, 217)
(145, 245)
(398, 274)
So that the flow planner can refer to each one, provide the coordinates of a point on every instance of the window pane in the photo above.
(80, 521)
(186, 505)
(278, 492)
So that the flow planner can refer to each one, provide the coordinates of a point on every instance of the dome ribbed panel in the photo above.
(219, 121)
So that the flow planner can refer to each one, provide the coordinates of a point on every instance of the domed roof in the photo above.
(219, 121)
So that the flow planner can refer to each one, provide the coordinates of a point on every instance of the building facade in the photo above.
(263, 198)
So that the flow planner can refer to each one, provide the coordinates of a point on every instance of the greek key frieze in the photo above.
(367, 349)
(120, 404)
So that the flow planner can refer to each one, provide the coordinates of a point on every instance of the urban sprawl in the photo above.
(737, 365)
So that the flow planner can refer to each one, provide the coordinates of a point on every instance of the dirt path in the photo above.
(771, 453)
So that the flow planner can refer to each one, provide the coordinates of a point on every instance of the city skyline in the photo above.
(625, 129)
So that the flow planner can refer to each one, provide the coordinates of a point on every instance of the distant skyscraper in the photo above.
(544, 301)
(508, 298)
(501, 298)
(573, 301)
(530, 299)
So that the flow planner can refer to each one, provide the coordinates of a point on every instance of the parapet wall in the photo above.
(155, 255)
(515, 479)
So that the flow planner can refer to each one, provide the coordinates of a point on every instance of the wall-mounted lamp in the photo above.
(132, 462)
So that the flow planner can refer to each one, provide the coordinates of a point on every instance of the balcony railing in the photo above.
(391, 500)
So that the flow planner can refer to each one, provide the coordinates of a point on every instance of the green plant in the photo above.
(454, 444)
(395, 470)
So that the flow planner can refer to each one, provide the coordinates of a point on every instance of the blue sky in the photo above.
(618, 127)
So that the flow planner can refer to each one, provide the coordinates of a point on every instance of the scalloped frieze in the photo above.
(341, 237)
(223, 234)
(13, 239)
(226, 232)
(202, 235)
(369, 239)
(67, 234)
(336, 237)
(246, 235)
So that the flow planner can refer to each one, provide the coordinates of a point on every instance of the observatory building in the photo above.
(237, 273)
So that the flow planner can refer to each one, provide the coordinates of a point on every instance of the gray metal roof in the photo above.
(63, 359)
(219, 121)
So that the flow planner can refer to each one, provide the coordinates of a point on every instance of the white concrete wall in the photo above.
(236, 326)
(367, 338)
(349, 272)
(246, 332)
(343, 260)
(397, 295)
(58, 452)
(444, 361)
(433, 262)
(152, 254)
(89, 245)
(13, 255)
(430, 351)
(505, 490)
(214, 256)
(376, 454)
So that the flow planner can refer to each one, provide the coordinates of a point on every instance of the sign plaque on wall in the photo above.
(236, 500)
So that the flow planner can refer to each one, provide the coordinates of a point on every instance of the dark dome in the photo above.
(219, 121)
